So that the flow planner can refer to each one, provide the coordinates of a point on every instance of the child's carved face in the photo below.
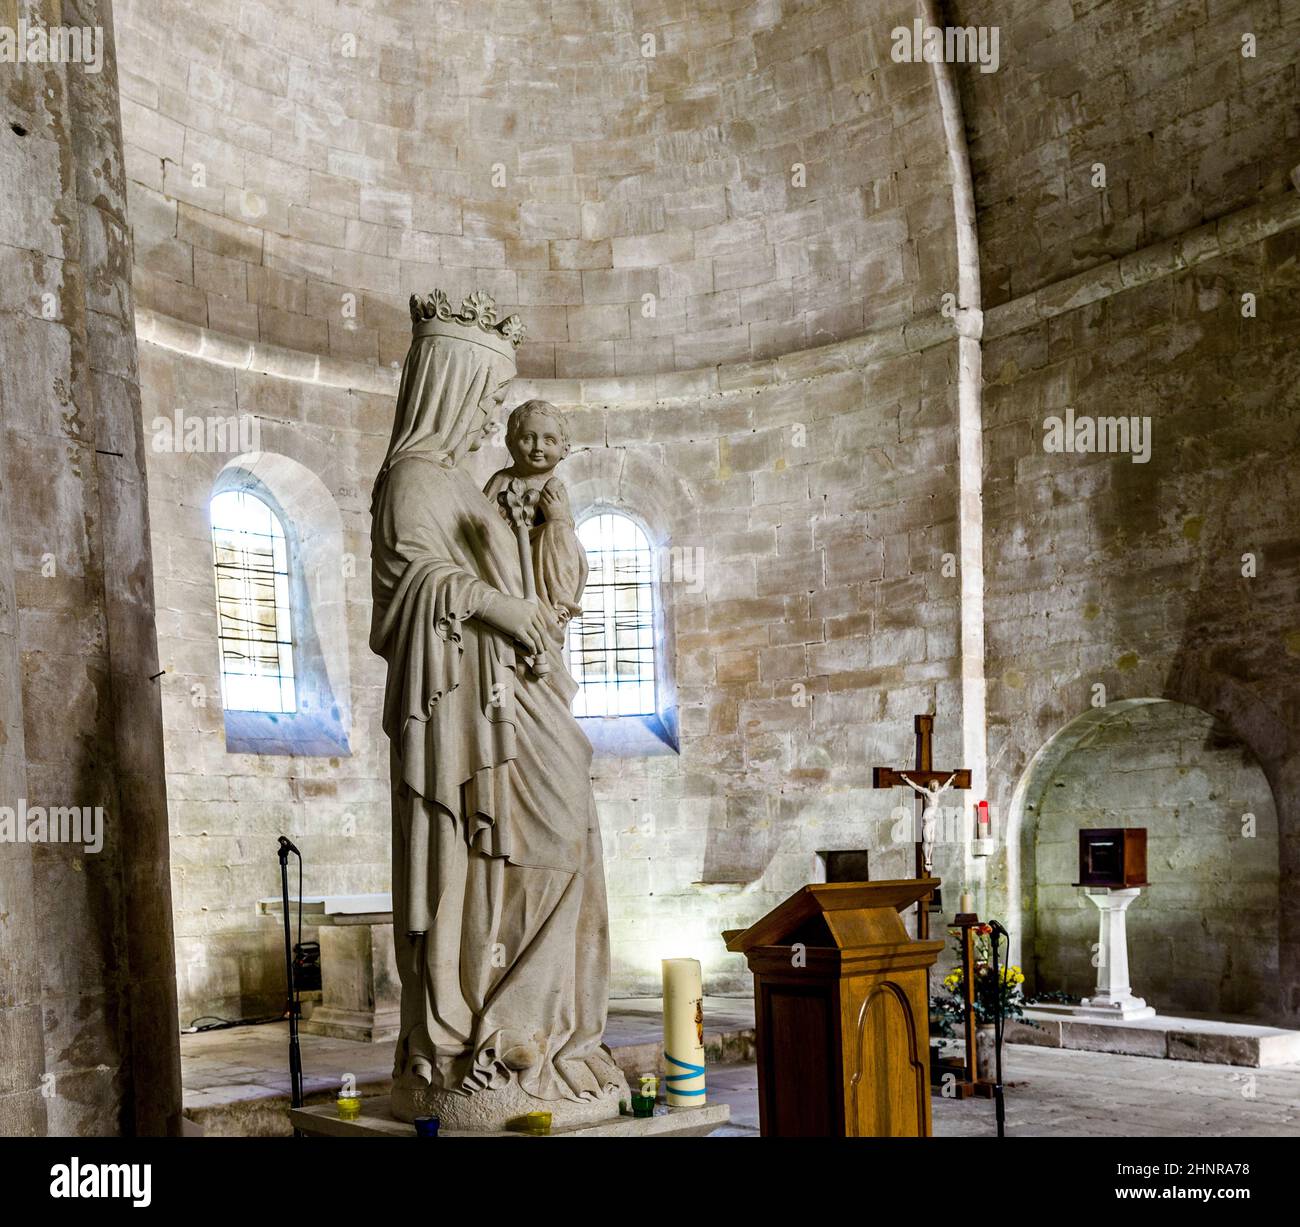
(537, 446)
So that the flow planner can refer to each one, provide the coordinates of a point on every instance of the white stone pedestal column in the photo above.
(1114, 996)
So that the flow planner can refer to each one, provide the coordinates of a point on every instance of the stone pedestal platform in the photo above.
(376, 1121)
(1090, 1011)
(1210, 1040)
(488, 1110)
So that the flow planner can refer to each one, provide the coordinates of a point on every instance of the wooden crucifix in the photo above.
(930, 784)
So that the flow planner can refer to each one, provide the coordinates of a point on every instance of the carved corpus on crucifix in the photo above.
(930, 785)
(929, 795)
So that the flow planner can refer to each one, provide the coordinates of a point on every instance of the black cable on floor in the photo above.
(222, 1024)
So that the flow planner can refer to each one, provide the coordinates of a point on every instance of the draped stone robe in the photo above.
(498, 882)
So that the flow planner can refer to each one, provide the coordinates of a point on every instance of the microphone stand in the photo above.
(999, 1104)
(294, 1007)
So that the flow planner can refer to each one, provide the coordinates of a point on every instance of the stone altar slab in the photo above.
(376, 1121)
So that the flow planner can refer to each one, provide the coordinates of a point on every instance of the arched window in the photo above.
(612, 644)
(254, 630)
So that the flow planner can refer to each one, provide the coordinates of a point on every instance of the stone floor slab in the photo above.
(1054, 1092)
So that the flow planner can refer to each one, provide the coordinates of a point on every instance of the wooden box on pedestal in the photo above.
(841, 996)
(1113, 856)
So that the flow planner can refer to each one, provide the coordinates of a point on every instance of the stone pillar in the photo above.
(88, 1032)
(1114, 994)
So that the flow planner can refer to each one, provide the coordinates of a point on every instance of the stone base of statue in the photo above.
(377, 1120)
(496, 1109)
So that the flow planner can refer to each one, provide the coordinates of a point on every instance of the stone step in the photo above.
(1213, 1041)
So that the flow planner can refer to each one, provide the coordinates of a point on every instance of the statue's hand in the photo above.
(555, 503)
(520, 619)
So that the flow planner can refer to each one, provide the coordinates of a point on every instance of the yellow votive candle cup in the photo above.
(349, 1107)
(538, 1123)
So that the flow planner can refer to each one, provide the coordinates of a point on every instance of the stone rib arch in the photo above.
(629, 482)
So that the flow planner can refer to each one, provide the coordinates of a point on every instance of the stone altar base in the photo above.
(377, 1121)
(1179, 1039)
(360, 988)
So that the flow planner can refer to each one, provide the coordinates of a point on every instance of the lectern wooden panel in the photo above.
(841, 997)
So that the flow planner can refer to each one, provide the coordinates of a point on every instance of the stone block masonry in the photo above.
(787, 406)
(668, 156)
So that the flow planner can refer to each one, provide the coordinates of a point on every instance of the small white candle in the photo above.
(967, 903)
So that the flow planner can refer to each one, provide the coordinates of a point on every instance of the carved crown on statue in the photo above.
(476, 320)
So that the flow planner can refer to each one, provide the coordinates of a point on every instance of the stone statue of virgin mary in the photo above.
(498, 884)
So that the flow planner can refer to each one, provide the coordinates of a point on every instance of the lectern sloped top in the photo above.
(839, 914)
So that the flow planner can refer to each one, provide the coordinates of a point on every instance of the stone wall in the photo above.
(88, 1042)
(1109, 127)
(227, 809)
(1203, 936)
(816, 498)
(299, 168)
(817, 621)
(1175, 578)
(325, 175)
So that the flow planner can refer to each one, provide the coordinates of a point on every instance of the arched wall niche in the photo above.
(1204, 936)
(318, 569)
(622, 481)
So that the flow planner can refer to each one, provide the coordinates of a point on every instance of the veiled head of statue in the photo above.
(455, 378)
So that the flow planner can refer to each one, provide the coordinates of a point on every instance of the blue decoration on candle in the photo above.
(692, 1071)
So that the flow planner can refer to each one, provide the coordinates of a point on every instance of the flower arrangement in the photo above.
(948, 1009)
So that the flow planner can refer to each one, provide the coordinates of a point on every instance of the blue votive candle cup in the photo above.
(426, 1126)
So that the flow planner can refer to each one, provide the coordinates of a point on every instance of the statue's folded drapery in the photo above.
(498, 882)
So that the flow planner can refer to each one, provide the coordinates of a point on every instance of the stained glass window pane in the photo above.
(611, 645)
(254, 631)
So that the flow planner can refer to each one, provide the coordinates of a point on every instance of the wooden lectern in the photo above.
(841, 1002)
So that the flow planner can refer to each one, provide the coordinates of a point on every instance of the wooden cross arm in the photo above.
(887, 777)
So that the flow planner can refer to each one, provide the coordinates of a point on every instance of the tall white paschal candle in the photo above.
(684, 1033)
